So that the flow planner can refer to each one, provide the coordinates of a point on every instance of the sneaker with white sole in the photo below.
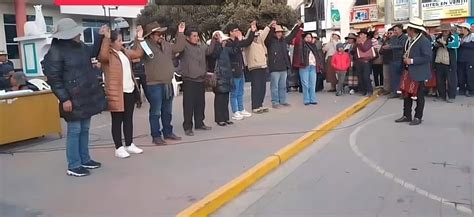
(133, 149)
(245, 113)
(121, 153)
(78, 172)
(237, 116)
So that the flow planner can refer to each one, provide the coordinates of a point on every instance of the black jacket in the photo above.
(223, 68)
(5, 68)
(69, 71)
(397, 45)
(308, 47)
(236, 58)
(278, 57)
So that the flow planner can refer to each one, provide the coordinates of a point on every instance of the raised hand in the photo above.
(181, 27)
(299, 23)
(273, 23)
(139, 31)
(253, 26)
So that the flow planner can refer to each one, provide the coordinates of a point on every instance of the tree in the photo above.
(215, 17)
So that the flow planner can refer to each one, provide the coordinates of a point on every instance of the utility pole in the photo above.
(388, 17)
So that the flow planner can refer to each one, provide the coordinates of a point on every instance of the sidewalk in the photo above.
(162, 181)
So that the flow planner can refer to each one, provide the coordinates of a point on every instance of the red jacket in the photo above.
(341, 61)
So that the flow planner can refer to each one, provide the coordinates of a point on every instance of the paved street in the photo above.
(162, 181)
(375, 168)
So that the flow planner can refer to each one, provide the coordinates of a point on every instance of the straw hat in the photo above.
(416, 23)
(221, 34)
(351, 36)
(67, 29)
(337, 33)
(278, 28)
(3, 52)
(153, 27)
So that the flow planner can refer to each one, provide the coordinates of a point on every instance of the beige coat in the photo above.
(256, 53)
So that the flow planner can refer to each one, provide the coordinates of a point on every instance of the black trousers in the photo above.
(363, 70)
(465, 77)
(445, 75)
(221, 107)
(124, 119)
(141, 82)
(378, 74)
(259, 86)
(420, 103)
(194, 103)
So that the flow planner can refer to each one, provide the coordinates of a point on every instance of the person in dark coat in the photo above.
(466, 61)
(237, 42)
(363, 65)
(68, 67)
(224, 79)
(6, 66)
(445, 60)
(417, 60)
(395, 45)
(279, 62)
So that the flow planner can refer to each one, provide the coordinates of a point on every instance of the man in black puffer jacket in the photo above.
(68, 68)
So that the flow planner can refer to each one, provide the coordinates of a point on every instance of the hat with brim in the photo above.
(278, 28)
(416, 23)
(152, 28)
(337, 33)
(351, 36)
(3, 52)
(445, 27)
(221, 34)
(67, 29)
(465, 25)
(363, 31)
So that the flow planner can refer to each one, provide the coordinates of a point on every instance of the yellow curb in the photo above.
(229, 191)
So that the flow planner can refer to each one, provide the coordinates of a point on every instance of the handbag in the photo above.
(367, 55)
(408, 86)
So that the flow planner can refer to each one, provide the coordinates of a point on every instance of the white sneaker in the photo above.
(121, 153)
(245, 113)
(237, 116)
(133, 149)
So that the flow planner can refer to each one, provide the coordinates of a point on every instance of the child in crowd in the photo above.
(341, 62)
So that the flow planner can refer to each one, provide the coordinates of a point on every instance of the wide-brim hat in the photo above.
(153, 27)
(465, 25)
(3, 52)
(279, 28)
(351, 36)
(67, 29)
(221, 34)
(445, 27)
(363, 31)
(416, 23)
(336, 33)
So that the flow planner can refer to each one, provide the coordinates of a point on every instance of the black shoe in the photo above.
(78, 172)
(159, 141)
(415, 122)
(204, 127)
(313, 103)
(403, 119)
(92, 165)
(173, 137)
(188, 133)
(229, 122)
(222, 124)
(306, 104)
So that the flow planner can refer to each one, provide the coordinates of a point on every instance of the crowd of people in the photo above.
(397, 63)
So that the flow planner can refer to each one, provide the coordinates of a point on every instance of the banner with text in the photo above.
(444, 9)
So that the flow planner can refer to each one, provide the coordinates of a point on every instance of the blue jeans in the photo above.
(77, 143)
(237, 95)
(278, 87)
(395, 75)
(161, 106)
(308, 83)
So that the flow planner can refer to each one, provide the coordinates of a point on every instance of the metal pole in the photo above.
(410, 9)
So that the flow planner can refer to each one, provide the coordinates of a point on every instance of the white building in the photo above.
(91, 17)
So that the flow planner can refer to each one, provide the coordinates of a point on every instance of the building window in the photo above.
(10, 32)
(47, 19)
(92, 27)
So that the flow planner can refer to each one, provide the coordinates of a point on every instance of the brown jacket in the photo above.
(160, 69)
(112, 67)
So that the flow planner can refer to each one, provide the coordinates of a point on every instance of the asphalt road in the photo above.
(375, 167)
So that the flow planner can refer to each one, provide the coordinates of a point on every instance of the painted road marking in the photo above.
(393, 177)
